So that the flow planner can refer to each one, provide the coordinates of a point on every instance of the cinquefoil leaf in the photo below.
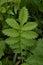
(12, 22)
(35, 60)
(29, 34)
(11, 32)
(39, 48)
(23, 15)
(11, 40)
(29, 26)
(28, 42)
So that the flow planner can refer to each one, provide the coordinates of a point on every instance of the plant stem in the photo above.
(14, 59)
(20, 44)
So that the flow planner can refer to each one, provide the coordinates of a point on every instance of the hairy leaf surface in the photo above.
(23, 16)
(12, 40)
(12, 22)
(10, 32)
(29, 26)
(29, 34)
(35, 60)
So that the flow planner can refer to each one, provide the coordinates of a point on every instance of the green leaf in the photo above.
(39, 48)
(5, 25)
(15, 46)
(11, 32)
(17, 50)
(29, 26)
(41, 7)
(3, 10)
(28, 42)
(39, 3)
(12, 41)
(23, 16)
(16, 5)
(0, 63)
(25, 64)
(4, 1)
(29, 34)
(1, 17)
(10, 12)
(12, 22)
(35, 60)
(1, 53)
(17, 1)
(2, 46)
